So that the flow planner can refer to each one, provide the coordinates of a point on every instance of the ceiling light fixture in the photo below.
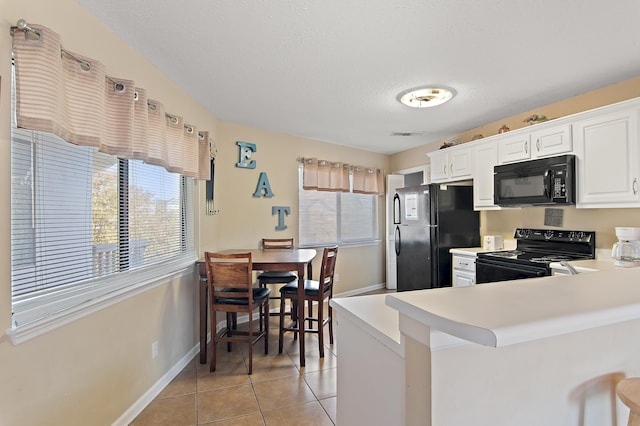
(425, 97)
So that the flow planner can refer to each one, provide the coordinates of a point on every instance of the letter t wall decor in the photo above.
(263, 188)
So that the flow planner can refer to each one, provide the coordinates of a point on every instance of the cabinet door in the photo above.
(460, 163)
(514, 148)
(552, 141)
(439, 166)
(485, 157)
(607, 150)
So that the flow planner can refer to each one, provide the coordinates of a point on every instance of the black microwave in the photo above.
(536, 182)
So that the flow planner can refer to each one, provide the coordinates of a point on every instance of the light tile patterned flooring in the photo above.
(278, 392)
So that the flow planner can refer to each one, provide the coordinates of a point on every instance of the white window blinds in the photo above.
(85, 224)
(336, 217)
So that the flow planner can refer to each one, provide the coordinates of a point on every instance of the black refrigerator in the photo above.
(429, 220)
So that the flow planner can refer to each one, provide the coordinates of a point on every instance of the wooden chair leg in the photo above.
(250, 342)
(266, 326)
(212, 327)
(329, 310)
(320, 328)
(281, 328)
(229, 328)
(294, 316)
(310, 309)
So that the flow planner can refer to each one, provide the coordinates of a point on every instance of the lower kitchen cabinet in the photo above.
(463, 269)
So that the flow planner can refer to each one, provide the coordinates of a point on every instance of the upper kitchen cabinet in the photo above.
(606, 144)
(485, 157)
(542, 140)
(514, 147)
(450, 164)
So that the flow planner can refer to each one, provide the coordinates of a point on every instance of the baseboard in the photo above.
(128, 416)
(360, 290)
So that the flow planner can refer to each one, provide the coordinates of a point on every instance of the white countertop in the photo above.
(469, 251)
(472, 251)
(509, 312)
(374, 316)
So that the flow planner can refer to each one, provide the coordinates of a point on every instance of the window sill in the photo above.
(39, 327)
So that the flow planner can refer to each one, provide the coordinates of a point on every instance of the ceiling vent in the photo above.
(406, 133)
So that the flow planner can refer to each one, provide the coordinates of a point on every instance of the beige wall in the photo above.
(92, 370)
(503, 223)
(243, 219)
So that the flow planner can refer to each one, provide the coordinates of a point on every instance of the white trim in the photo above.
(34, 329)
(358, 291)
(132, 412)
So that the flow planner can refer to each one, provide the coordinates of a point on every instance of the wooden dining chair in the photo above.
(314, 291)
(231, 291)
(268, 278)
(628, 390)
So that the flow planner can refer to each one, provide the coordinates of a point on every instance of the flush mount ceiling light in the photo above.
(425, 97)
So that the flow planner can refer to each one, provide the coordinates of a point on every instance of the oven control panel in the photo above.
(555, 235)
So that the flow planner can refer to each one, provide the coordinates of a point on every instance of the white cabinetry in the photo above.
(551, 141)
(543, 140)
(450, 164)
(606, 143)
(513, 148)
(463, 269)
(485, 157)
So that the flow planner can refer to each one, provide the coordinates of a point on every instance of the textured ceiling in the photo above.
(332, 70)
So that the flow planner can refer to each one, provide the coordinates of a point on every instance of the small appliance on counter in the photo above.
(492, 243)
(626, 252)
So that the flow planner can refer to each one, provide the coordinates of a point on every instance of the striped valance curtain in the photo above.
(71, 96)
(323, 175)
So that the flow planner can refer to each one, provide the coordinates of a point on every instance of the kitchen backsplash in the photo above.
(602, 221)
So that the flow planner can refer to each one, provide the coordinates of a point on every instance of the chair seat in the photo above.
(259, 294)
(311, 288)
(276, 277)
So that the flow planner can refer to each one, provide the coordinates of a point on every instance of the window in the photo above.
(86, 225)
(336, 217)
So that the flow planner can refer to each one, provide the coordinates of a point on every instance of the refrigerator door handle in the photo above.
(396, 209)
(397, 240)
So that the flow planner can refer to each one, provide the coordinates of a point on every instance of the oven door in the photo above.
(492, 270)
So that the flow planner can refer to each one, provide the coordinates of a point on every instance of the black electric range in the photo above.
(535, 250)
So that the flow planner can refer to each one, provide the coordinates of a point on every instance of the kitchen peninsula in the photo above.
(528, 352)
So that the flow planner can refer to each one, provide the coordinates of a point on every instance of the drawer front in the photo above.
(464, 263)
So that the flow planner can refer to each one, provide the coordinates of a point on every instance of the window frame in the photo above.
(35, 314)
(375, 220)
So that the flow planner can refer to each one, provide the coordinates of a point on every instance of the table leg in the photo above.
(301, 324)
(203, 320)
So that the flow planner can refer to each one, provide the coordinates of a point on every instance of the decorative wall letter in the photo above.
(282, 212)
(263, 185)
(245, 160)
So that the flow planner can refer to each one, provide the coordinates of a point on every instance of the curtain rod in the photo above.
(34, 34)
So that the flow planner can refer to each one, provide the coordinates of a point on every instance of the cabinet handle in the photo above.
(464, 264)
(451, 167)
(538, 144)
(444, 169)
(635, 186)
(526, 148)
